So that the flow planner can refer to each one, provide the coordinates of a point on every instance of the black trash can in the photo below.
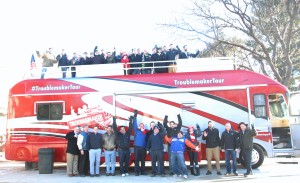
(46, 160)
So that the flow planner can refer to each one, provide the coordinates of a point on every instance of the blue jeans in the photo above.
(44, 70)
(94, 155)
(230, 154)
(179, 158)
(124, 156)
(136, 71)
(110, 161)
(139, 156)
(146, 71)
(172, 169)
(157, 156)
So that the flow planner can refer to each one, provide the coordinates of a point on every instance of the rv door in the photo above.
(279, 118)
(295, 118)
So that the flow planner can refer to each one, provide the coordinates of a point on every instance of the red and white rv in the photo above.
(42, 111)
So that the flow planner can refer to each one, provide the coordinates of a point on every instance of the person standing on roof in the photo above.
(140, 134)
(63, 62)
(185, 54)
(192, 136)
(172, 131)
(123, 144)
(48, 61)
(125, 61)
(213, 143)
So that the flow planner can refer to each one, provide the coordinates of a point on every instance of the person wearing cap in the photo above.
(246, 144)
(213, 143)
(177, 149)
(172, 131)
(72, 152)
(155, 147)
(123, 144)
(192, 136)
(94, 145)
(230, 145)
(109, 149)
(140, 134)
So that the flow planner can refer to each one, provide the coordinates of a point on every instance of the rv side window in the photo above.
(260, 106)
(49, 111)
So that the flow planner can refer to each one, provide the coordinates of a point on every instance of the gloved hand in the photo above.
(252, 126)
(135, 113)
(130, 118)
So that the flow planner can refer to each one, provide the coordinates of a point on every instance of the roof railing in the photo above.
(149, 67)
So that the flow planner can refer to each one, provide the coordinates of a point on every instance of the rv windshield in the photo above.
(295, 104)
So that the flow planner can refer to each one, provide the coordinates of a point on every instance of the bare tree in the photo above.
(269, 29)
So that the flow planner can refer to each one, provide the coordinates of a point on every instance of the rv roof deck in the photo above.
(116, 69)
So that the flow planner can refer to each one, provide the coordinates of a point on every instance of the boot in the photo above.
(197, 171)
(192, 170)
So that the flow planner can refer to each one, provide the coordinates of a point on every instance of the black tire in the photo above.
(257, 157)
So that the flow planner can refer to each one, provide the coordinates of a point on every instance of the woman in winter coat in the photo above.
(125, 61)
(192, 136)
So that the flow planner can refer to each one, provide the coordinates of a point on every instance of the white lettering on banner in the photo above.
(96, 119)
(198, 81)
(55, 88)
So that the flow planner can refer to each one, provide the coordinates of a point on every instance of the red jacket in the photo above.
(125, 60)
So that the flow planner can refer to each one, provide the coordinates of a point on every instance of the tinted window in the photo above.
(259, 105)
(49, 111)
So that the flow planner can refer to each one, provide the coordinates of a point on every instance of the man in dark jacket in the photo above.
(246, 144)
(63, 62)
(172, 131)
(123, 144)
(72, 152)
(212, 137)
(185, 54)
(155, 146)
(98, 59)
(94, 144)
(134, 58)
(192, 136)
(230, 145)
(146, 57)
(140, 134)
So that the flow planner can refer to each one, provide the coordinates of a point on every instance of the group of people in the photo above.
(133, 62)
(230, 143)
(84, 149)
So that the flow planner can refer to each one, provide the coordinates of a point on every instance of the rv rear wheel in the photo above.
(257, 157)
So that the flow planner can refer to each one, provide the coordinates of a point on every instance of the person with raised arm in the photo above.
(123, 145)
(140, 134)
(172, 130)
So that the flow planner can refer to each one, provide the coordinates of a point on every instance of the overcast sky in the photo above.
(77, 26)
